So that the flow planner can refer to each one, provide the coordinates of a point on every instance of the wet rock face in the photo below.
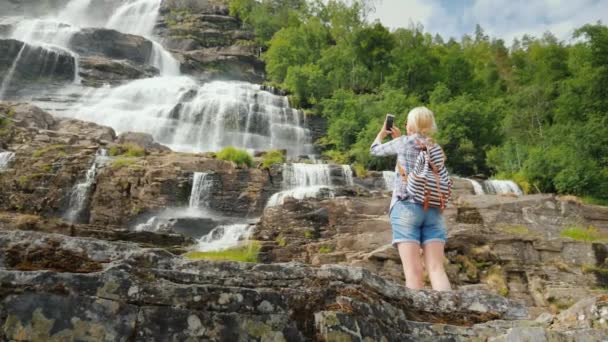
(52, 155)
(208, 42)
(111, 44)
(98, 71)
(35, 63)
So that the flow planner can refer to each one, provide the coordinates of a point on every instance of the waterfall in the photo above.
(476, 187)
(188, 117)
(135, 17)
(496, 187)
(139, 17)
(389, 179)
(348, 175)
(223, 237)
(80, 191)
(302, 175)
(201, 185)
(7, 79)
(5, 159)
(161, 59)
(302, 181)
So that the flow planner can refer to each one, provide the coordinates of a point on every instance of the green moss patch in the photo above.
(588, 234)
(247, 253)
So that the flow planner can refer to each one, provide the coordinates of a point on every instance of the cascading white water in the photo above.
(201, 185)
(135, 17)
(497, 187)
(223, 237)
(5, 159)
(139, 17)
(9, 76)
(476, 187)
(302, 175)
(80, 191)
(187, 117)
(302, 181)
(347, 171)
(389, 179)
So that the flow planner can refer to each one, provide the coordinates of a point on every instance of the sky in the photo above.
(506, 19)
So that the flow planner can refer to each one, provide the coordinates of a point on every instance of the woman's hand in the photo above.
(395, 132)
(383, 132)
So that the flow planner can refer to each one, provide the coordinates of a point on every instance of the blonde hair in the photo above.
(421, 120)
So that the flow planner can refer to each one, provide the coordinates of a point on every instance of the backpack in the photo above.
(428, 182)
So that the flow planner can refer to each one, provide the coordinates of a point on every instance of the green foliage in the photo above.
(536, 112)
(360, 170)
(247, 253)
(589, 234)
(272, 157)
(239, 157)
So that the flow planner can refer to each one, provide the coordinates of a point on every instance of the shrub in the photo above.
(239, 157)
(272, 157)
(247, 253)
(589, 234)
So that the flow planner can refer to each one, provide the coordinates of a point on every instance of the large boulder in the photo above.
(84, 128)
(35, 63)
(142, 140)
(26, 115)
(112, 44)
(98, 71)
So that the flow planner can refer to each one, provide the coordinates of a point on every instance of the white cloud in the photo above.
(505, 19)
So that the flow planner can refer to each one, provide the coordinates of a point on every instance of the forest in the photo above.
(533, 110)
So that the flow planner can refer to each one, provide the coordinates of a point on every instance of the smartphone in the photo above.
(390, 118)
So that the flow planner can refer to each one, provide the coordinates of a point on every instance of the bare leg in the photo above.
(433, 260)
(412, 264)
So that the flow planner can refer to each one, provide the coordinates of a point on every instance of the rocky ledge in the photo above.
(101, 290)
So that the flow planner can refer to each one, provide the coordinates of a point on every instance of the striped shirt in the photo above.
(407, 151)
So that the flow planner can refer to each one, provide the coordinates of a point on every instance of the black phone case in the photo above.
(389, 123)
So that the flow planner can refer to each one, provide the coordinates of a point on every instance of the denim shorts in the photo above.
(412, 224)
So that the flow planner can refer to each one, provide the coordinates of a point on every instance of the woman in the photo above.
(414, 227)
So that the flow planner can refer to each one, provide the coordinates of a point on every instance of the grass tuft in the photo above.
(589, 234)
(123, 162)
(239, 157)
(247, 253)
(272, 157)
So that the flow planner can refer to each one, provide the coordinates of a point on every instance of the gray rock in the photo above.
(112, 44)
(156, 296)
(143, 140)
